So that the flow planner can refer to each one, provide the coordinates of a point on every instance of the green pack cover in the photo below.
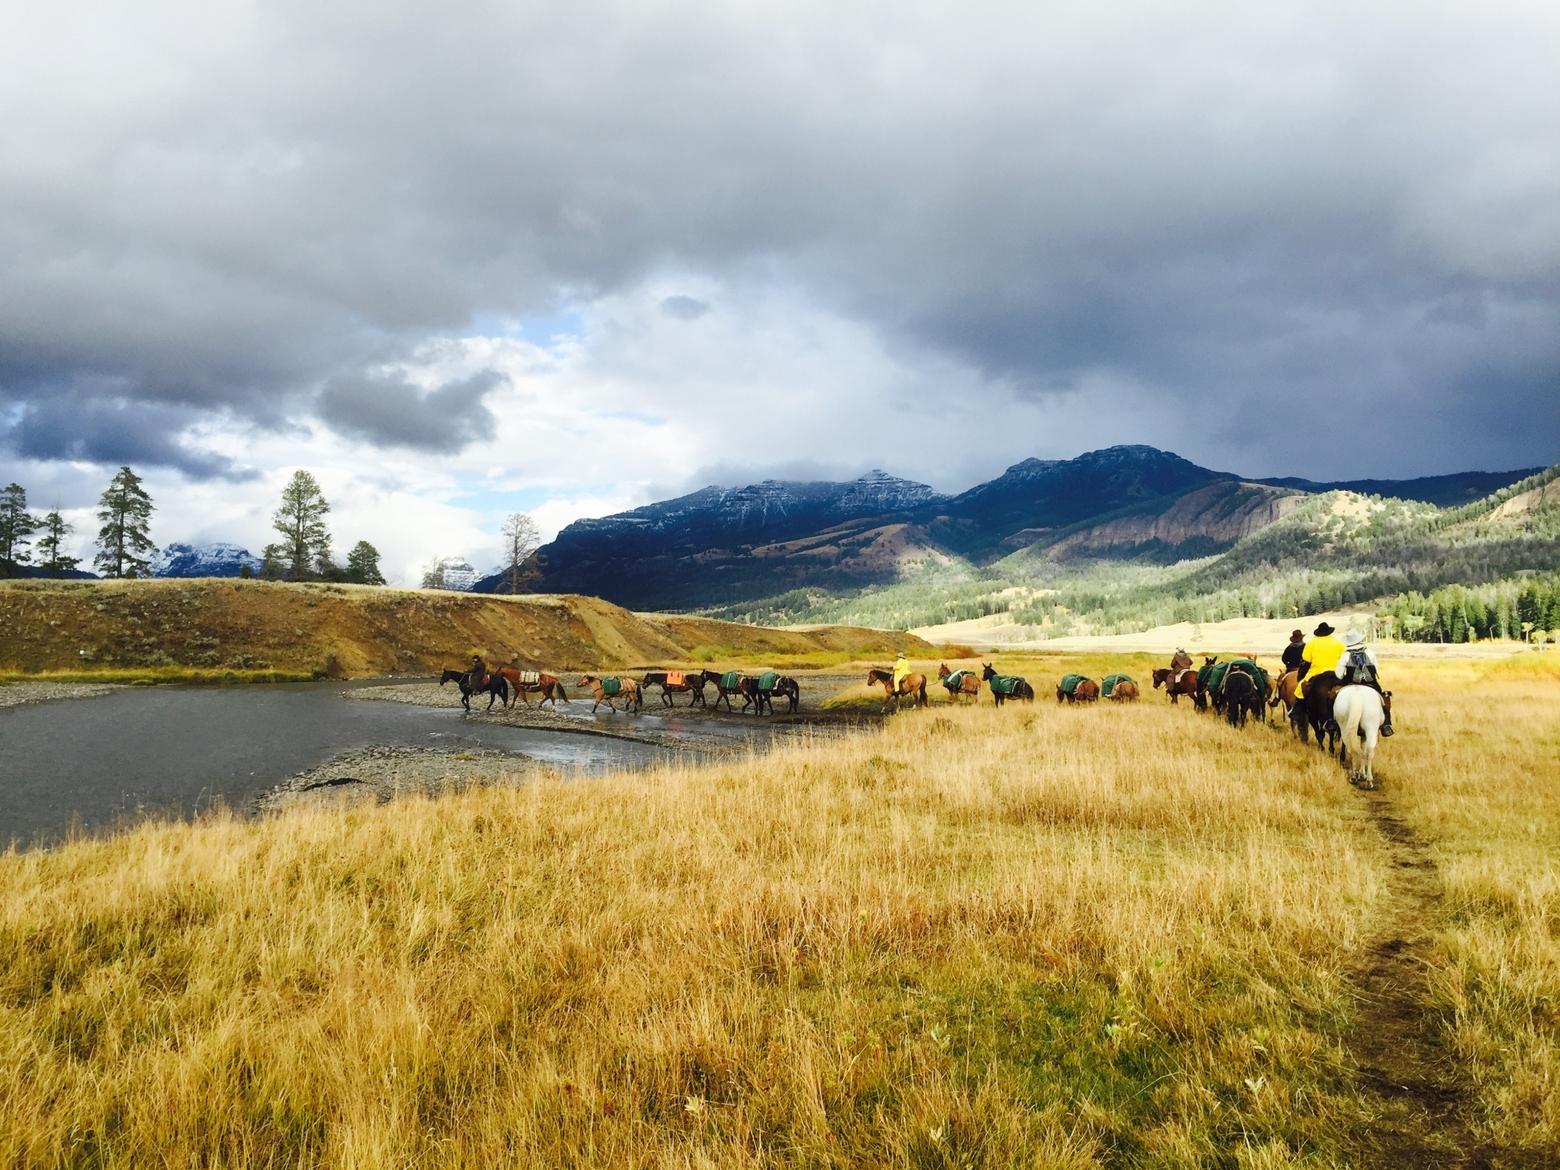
(1254, 671)
(767, 680)
(1005, 684)
(729, 680)
(1069, 683)
(1204, 674)
(1110, 681)
(955, 680)
(611, 686)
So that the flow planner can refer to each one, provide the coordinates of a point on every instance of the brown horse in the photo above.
(677, 682)
(912, 685)
(550, 688)
(1287, 692)
(1087, 691)
(968, 684)
(1315, 711)
(628, 691)
(1176, 684)
(1126, 691)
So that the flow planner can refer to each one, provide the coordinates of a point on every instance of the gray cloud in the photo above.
(391, 411)
(79, 426)
(684, 308)
(1304, 211)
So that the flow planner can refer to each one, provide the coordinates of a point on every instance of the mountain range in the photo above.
(723, 546)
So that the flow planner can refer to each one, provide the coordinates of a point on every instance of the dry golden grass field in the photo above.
(1037, 937)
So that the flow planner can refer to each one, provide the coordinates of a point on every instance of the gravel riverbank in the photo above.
(374, 775)
(17, 694)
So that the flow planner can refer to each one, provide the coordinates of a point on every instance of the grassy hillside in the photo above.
(1039, 937)
(248, 627)
(1327, 552)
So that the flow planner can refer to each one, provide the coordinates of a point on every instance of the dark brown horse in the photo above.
(1242, 697)
(492, 684)
(911, 686)
(1316, 707)
(677, 682)
(1006, 686)
(524, 683)
(751, 688)
(727, 683)
(1176, 685)
(968, 683)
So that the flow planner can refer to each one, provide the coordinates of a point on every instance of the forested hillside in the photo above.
(1486, 569)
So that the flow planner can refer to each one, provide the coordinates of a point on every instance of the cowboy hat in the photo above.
(1354, 639)
(1296, 635)
(1323, 630)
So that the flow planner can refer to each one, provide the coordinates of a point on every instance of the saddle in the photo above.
(767, 680)
(730, 680)
(1006, 684)
(955, 681)
(676, 678)
(1108, 685)
(529, 677)
(611, 686)
(1068, 685)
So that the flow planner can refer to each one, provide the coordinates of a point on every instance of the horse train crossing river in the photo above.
(1237, 689)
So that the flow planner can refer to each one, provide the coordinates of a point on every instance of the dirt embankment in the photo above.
(355, 631)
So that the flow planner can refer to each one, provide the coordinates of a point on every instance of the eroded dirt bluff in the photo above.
(352, 630)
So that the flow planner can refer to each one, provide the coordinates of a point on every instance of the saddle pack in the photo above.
(729, 680)
(530, 677)
(767, 680)
(1006, 684)
(1108, 684)
(1069, 683)
(955, 681)
(676, 678)
(1360, 671)
(611, 686)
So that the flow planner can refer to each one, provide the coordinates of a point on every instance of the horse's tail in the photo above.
(920, 696)
(559, 692)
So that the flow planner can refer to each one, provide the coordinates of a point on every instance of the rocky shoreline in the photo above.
(19, 694)
(374, 775)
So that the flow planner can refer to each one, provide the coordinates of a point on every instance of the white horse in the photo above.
(1358, 711)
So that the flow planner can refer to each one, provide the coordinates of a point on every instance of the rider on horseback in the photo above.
(1320, 654)
(477, 673)
(1358, 668)
(1294, 651)
(901, 668)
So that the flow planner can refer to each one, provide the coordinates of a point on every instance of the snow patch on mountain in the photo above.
(215, 559)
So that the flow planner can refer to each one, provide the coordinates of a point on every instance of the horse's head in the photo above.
(942, 670)
(1161, 677)
(1210, 659)
(986, 671)
(587, 680)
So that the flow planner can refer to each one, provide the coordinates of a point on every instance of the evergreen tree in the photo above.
(305, 545)
(17, 525)
(51, 543)
(363, 565)
(271, 566)
(125, 510)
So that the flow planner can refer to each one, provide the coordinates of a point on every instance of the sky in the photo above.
(468, 259)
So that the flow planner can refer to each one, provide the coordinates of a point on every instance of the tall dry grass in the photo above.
(1036, 937)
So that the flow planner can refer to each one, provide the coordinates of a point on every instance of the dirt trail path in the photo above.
(1422, 1104)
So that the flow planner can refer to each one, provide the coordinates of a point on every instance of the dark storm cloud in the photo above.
(112, 431)
(391, 411)
(1233, 209)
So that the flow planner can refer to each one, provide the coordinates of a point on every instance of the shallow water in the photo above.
(94, 763)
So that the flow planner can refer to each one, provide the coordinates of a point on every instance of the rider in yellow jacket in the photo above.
(1320, 656)
(901, 668)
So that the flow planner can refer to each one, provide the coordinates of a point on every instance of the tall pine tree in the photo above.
(125, 511)
(17, 525)
(363, 564)
(51, 546)
(301, 521)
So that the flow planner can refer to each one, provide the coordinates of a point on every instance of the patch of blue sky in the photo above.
(543, 331)
(501, 502)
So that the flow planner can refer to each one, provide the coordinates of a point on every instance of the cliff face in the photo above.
(1203, 520)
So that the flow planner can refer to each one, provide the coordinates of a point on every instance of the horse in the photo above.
(1316, 711)
(1360, 712)
(959, 682)
(627, 688)
(677, 682)
(1086, 690)
(761, 698)
(723, 692)
(1018, 688)
(913, 685)
(551, 688)
(494, 685)
(1287, 692)
(1242, 696)
(1176, 685)
(1126, 691)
